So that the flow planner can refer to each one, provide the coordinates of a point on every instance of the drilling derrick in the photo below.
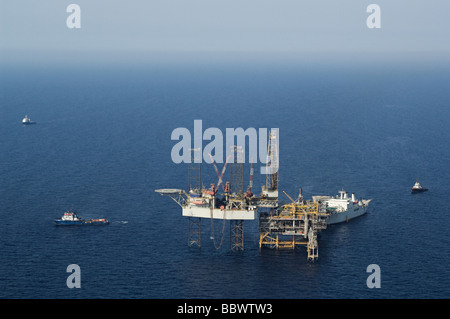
(270, 190)
(269, 195)
(237, 170)
(195, 171)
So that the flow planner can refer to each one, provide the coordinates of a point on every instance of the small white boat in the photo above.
(417, 188)
(27, 121)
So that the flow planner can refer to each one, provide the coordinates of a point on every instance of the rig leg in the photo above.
(312, 246)
(313, 253)
(195, 232)
(237, 235)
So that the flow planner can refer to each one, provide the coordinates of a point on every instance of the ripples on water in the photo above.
(102, 145)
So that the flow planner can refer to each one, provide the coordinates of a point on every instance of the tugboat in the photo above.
(71, 218)
(27, 121)
(417, 188)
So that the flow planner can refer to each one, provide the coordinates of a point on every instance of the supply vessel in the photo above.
(417, 188)
(71, 218)
(342, 208)
(27, 121)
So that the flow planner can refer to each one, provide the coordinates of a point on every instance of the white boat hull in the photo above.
(336, 218)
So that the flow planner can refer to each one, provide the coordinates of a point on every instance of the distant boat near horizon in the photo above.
(27, 121)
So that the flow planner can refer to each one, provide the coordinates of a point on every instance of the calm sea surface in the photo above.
(102, 145)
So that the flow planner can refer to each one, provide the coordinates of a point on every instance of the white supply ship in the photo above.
(342, 208)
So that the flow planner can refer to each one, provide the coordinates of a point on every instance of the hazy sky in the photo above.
(30, 28)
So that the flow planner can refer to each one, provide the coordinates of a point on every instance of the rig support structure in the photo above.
(237, 235)
(294, 224)
(195, 232)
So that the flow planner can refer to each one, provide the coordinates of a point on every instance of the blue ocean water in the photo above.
(102, 145)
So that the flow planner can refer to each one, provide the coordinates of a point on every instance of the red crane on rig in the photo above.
(217, 171)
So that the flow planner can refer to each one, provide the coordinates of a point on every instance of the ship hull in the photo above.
(80, 223)
(336, 218)
(415, 191)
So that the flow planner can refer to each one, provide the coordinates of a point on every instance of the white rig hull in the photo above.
(228, 214)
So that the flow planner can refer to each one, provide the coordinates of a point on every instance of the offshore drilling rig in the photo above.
(288, 226)
(233, 204)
